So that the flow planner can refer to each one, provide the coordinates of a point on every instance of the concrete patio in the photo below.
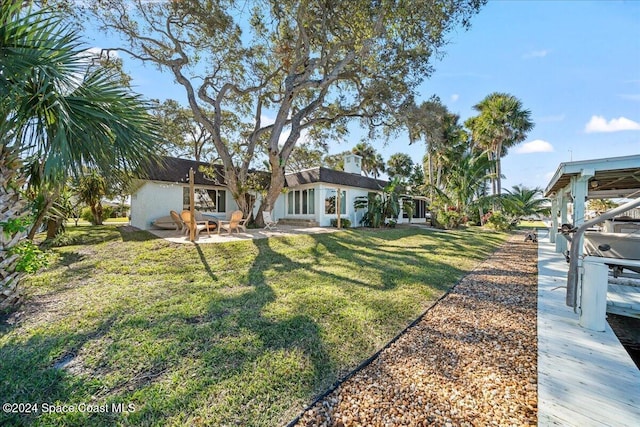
(176, 236)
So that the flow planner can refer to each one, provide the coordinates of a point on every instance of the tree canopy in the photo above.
(502, 122)
(400, 165)
(181, 134)
(286, 67)
(372, 162)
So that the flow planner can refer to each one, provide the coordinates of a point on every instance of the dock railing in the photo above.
(597, 267)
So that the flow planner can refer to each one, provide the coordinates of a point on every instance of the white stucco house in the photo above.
(309, 198)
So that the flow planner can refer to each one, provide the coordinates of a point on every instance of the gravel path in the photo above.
(470, 361)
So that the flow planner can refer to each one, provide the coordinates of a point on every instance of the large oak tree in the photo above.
(284, 67)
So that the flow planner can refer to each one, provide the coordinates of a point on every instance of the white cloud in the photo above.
(536, 54)
(535, 146)
(455, 97)
(600, 124)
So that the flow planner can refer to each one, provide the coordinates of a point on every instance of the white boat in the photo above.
(613, 245)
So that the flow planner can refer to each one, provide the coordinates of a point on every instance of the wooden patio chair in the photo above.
(236, 222)
(269, 223)
(243, 224)
(177, 220)
(200, 225)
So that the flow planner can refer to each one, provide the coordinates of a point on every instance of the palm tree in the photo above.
(92, 187)
(372, 162)
(462, 191)
(600, 206)
(521, 202)
(57, 114)
(454, 144)
(502, 122)
(466, 181)
(400, 165)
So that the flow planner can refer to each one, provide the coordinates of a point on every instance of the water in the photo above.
(627, 329)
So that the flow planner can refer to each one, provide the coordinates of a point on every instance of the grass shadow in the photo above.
(233, 333)
(129, 235)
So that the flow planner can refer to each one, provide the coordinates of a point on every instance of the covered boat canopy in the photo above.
(575, 182)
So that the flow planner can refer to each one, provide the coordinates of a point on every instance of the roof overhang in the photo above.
(613, 177)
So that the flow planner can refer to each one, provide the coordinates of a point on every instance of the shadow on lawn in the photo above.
(203, 349)
(129, 234)
(34, 371)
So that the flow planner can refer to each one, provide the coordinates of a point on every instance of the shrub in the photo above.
(31, 258)
(344, 222)
(88, 216)
(497, 221)
(450, 218)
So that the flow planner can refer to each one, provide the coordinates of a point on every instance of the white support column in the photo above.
(554, 220)
(593, 298)
(564, 208)
(561, 242)
(579, 192)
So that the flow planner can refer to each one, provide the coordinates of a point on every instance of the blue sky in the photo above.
(574, 64)
(568, 61)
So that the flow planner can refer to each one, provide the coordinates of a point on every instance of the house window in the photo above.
(330, 202)
(206, 200)
(419, 208)
(301, 202)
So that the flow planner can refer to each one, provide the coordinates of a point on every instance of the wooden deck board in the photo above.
(624, 300)
(585, 378)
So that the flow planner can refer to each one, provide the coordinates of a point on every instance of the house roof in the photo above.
(330, 176)
(172, 169)
(612, 177)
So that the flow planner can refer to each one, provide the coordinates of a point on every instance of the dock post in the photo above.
(595, 280)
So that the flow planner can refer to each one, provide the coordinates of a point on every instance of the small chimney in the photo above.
(353, 164)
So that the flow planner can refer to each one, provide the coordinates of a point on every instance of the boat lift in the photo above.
(587, 278)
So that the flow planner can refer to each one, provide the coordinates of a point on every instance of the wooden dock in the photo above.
(623, 300)
(585, 378)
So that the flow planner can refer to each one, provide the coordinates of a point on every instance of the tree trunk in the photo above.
(54, 226)
(498, 170)
(276, 185)
(430, 161)
(39, 220)
(12, 208)
(97, 211)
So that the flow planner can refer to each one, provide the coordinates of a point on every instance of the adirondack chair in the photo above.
(177, 220)
(236, 222)
(199, 225)
(269, 223)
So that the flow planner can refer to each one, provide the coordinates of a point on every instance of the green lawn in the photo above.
(532, 224)
(239, 333)
(72, 223)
